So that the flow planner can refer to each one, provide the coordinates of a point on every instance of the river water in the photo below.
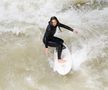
(23, 64)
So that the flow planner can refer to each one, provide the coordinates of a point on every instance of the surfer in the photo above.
(50, 40)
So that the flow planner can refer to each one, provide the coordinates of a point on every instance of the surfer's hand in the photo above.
(46, 51)
(76, 31)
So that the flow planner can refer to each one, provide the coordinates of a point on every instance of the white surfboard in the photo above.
(63, 68)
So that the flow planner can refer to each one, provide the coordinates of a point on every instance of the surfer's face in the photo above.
(54, 22)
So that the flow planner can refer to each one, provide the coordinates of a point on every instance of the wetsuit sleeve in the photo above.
(46, 36)
(46, 42)
(65, 26)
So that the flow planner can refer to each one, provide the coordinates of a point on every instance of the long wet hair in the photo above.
(55, 18)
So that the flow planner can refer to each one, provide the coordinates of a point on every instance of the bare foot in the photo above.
(61, 61)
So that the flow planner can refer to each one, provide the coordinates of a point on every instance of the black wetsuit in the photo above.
(50, 40)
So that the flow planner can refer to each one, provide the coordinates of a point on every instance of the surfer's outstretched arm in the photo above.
(65, 26)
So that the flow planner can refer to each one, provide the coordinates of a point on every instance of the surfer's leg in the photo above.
(59, 46)
(59, 40)
(60, 60)
(59, 51)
